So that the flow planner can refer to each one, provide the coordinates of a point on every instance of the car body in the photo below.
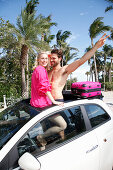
(88, 142)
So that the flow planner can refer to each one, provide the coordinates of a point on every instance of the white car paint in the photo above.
(92, 151)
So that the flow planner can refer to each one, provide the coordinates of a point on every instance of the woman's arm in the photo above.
(52, 99)
(44, 85)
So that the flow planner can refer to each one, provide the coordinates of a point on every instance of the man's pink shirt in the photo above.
(39, 86)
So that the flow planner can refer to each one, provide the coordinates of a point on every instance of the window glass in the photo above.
(12, 119)
(96, 114)
(53, 131)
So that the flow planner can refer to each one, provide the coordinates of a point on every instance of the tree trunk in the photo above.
(90, 71)
(96, 76)
(104, 71)
(23, 57)
(92, 74)
(104, 76)
(27, 78)
(42, 37)
(110, 76)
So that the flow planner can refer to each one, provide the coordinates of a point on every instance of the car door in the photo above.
(78, 149)
(103, 126)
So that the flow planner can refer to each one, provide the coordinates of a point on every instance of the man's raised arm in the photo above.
(73, 66)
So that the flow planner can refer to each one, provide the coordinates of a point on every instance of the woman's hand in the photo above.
(52, 99)
(58, 103)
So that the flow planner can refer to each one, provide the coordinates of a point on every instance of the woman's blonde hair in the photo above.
(37, 58)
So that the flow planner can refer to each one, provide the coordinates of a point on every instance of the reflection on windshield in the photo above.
(12, 119)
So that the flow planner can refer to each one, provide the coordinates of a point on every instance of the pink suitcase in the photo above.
(86, 89)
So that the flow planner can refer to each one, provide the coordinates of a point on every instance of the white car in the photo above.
(87, 143)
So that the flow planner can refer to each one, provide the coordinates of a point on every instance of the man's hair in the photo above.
(59, 52)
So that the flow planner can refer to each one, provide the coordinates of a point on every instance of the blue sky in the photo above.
(70, 15)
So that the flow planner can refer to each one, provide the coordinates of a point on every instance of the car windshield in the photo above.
(13, 118)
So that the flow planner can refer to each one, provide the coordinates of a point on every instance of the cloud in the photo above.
(72, 37)
(83, 13)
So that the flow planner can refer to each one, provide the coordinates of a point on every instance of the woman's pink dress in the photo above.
(39, 86)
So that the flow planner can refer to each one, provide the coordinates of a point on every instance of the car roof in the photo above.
(27, 102)
(68, 96)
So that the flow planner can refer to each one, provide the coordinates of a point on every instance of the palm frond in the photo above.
(111, 1)
(98, 27)
(109, 8)
(31, 5)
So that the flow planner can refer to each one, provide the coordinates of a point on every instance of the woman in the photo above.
(40, 86)
(41, 97)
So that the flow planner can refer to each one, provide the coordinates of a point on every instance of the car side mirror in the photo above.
(28, 161)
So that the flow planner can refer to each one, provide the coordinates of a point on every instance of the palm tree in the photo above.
(69, 52)
(90, 63)
(87, 74)
(106, 53)
(96, 28)
(99, 62)
(109, 7)
(111, 57)
(61, 38)
(27, 36)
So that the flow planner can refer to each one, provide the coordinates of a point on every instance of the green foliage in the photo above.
(69, 83)
(25, 37)
(68, 52)
(10, 79)
(108, 86)
(110, 7)
(98, 27)
(31, 5)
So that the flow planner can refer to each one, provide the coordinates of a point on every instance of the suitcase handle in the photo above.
(84, 85)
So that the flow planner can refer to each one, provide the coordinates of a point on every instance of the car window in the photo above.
(53, 130)
(96, 114)
(12, 119)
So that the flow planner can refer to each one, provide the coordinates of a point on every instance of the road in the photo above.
(108, 98)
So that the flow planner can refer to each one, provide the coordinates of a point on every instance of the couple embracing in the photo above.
(46, 87)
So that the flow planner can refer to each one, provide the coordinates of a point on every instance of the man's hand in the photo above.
(101, 41)
(73, 66)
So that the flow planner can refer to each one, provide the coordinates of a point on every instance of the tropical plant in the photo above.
(27, 36)
(111, 66)
(69, 52)
(109, 7)
(96, 28)
(87, 74)
(10, 79)
(105, 53)
(90, 63)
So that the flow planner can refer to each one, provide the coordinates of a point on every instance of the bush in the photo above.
(108, 86)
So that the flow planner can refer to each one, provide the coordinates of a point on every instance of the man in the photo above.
(58, 75)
